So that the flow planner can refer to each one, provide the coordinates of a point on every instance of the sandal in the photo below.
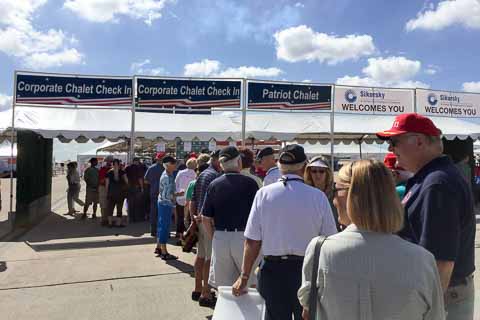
(206, 302)
(196, 295)
(168, 256)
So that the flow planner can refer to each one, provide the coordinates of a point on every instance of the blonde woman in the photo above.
(318, 175)
(366, 271)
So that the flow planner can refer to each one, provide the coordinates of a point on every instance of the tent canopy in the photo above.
(100, 124)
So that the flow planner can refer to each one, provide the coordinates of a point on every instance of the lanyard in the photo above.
(284, 180)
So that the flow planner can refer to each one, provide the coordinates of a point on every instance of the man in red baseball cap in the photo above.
(438, 208)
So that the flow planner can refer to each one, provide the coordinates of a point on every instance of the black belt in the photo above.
(460, 281)
(284, 258)
(230, 229)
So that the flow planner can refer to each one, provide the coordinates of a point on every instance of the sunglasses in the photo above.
(318, 170)
(336, 189)
(393, 142)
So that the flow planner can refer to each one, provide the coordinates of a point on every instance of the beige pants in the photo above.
(102, 199)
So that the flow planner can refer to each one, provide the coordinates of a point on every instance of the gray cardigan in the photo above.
(373, 276)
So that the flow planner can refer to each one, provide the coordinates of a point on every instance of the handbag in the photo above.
(312, 302)
(190, 237)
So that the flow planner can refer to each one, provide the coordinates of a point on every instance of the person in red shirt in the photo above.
(102, 191)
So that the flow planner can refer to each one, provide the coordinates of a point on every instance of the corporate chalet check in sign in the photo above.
(167, 93)
(448, 104)
(379, 101)
(283, 96)
(57, 89)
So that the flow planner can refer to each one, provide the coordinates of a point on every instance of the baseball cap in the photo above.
(229, 153)
(390, 161)
(215, 154)
(292, 154)
(410, 123)
(159, 155)
(268, 151)
(169, 159)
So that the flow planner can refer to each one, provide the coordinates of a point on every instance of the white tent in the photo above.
(84, 157)
(351, 151)
(101, 124)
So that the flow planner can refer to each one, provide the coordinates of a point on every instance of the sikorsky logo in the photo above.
(432, 99)
(350, 96)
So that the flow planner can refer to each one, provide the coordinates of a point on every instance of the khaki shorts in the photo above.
(227, 258)
(204, 245)
(91, 196)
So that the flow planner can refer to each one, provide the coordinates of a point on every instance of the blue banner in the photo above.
(282, 96)
(55, 89)
(188, 94)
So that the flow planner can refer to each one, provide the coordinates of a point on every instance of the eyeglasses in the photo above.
(335, 189)
(318, 170)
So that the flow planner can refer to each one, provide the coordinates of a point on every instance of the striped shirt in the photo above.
(201, 186)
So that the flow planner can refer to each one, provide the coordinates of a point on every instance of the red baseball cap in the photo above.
(410, 122)
(390, 161)
(160, 155)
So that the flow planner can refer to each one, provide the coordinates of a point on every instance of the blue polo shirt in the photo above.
(200, 190)
(229, 200)
(439, 215)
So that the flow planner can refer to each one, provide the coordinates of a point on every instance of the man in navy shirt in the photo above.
(226, 210)
(438, 208)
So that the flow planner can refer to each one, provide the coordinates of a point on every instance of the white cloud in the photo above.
(303, 44)
(299, 5)
(144, 68)
(20, 39)
(250, 72)
(109, 10)
(471, 86)
(430, 71)
(204, 68)
(213, 68)
(5, 102)
(387, 72)
(43, 60)
(447, 13)
(391, 69)
(307, 81)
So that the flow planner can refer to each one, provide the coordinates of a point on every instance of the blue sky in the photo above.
(407, 43)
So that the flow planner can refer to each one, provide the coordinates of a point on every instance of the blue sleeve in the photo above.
(441, 222)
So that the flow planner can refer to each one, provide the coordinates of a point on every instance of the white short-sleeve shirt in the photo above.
(273, 174)
(287, 217)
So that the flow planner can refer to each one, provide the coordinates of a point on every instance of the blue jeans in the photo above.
(164, 221)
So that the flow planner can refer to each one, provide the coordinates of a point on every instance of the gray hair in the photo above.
(291, 168)
(231, 165)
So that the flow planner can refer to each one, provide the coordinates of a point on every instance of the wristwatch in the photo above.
(244, 276)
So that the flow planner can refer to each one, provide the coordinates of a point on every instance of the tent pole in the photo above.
(332, 130)
(360, 147)
(244, 110)
(132, 132)
(12, 141)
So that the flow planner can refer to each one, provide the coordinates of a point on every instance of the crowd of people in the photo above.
(391, 240)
